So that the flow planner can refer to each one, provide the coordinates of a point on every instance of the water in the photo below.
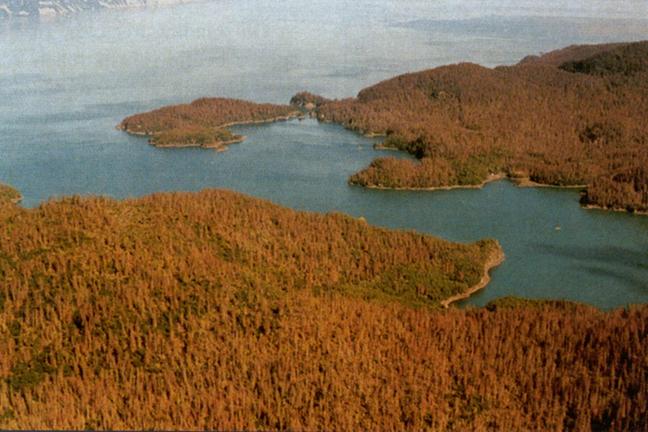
(65, 84)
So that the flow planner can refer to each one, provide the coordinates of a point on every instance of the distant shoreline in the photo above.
(615, 209)
(491, 178)
(522, 182)
(219, 146)
(497, 257)
(290, 116)
(526, 182)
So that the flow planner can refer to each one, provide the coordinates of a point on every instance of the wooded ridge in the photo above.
(575, 116)
(219, 311)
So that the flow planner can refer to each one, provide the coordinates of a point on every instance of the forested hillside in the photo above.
(573, 117)
(219, 311)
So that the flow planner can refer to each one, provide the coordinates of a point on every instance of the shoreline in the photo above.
(497, 258)
(491, 178)
(375, 135)
(219, 146)
(289, 116)
(526, 182)
(519, 182)
(385, 148)
(614, 209)
(522, 182)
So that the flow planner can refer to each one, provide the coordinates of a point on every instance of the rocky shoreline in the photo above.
(491, 178)
(497, 257)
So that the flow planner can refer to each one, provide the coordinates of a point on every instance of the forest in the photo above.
(573, 117)
(214, 310)
(9, 194)
(203, 122)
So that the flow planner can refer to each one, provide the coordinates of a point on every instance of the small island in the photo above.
(204, 122)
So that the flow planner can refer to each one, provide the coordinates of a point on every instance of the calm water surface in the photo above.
(65, 84)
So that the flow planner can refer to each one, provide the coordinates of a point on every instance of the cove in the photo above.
(595, 257)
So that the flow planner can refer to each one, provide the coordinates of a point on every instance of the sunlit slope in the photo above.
(572, 117)
(216, 310)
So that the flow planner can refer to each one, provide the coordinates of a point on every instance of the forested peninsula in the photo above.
(214, 310)
(204, 122)
(572, 117)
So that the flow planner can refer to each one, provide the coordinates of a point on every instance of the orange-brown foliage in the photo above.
(571, 53)
(8, 194)
(203, 121)
(206, 112)
(214, 310)
(580, 121)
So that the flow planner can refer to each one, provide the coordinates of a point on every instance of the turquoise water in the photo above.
(65, 84)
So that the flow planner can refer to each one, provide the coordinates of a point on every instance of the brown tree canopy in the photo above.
(8, 194)
(576, 116)
(219, 311)
(203, 122)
